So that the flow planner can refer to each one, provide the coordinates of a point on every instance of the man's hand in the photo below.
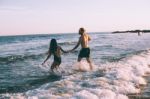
(43, 64)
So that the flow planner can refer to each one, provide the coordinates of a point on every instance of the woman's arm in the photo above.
(63, 50)
(49, 55)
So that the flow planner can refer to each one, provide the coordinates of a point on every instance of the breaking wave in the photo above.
(113, 80)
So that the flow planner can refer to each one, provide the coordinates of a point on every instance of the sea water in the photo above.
(120, 61)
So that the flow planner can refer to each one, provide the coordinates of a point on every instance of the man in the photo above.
(85, 51)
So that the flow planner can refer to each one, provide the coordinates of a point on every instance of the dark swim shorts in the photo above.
(84, 53)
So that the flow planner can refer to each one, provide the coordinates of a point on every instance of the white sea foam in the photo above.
(119, 79)
(98, 94)
(84, 94)
(83, 66)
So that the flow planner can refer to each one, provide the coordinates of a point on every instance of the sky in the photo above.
(19, 17)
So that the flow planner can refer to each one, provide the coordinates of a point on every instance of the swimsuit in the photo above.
(84, 52)
(57, 59)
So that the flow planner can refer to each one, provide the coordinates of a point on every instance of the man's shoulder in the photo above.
(87, 34)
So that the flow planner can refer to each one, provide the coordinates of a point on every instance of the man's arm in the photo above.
(79, 42)
(89, 38)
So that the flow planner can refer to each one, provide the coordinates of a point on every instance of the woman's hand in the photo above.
(43, 63)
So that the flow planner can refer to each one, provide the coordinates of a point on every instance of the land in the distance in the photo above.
(133, 31)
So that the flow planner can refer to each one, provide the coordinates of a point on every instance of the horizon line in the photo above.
(48, 33)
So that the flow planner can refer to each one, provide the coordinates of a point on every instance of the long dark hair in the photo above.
(53, 46)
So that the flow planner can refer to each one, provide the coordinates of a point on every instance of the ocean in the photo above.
(121, 67)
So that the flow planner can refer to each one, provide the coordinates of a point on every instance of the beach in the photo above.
(121, 67)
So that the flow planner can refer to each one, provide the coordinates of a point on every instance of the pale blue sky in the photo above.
(58, 16)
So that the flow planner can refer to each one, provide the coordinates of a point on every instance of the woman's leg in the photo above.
(54, 64)
(57, 66)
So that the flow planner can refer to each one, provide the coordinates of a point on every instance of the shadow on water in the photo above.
(30, 84)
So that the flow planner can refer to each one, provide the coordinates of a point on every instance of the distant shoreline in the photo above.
(132, 31)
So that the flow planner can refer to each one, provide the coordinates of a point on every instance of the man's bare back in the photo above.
(85, 40)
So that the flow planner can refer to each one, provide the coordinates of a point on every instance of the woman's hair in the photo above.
(53, 46)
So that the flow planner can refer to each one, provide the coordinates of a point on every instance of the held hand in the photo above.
(69, 51)
(66, 52)
(43, 64)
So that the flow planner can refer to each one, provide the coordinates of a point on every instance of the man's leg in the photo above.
(89, 61)
(79, 59)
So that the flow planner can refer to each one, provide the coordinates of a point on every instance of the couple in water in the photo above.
(55, 50)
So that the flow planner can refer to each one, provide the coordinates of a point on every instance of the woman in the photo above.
(54, 50)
